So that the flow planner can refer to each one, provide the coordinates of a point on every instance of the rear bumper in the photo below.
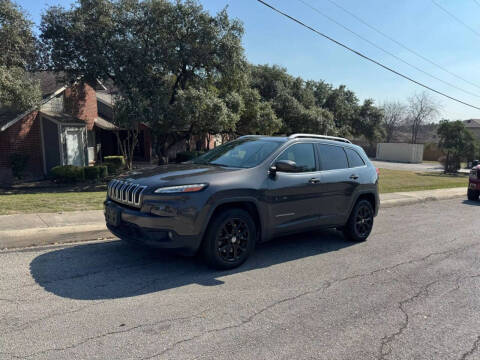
(154, 231)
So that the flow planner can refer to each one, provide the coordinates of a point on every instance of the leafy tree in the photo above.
(17, 90)
(367, 122)
(202, 112)
(17, 55)
(257, 116)
(394, 114)
(457, 142)
(343, 104)
(152, 49)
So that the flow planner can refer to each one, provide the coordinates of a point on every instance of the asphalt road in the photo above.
(412, 291)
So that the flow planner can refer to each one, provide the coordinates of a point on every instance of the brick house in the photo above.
(71, 127)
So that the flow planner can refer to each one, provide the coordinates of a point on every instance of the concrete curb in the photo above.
(25, 237)
(416, 197)
(53, 235)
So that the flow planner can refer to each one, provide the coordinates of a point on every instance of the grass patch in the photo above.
(399, 180)
(51, 202)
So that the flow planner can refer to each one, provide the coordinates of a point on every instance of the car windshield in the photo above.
(242, 153)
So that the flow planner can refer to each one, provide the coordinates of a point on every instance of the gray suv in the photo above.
(244, 192)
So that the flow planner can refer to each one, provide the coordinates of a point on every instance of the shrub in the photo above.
(68, 173)
(96, 172)
(114, 163)
(187, 155)
(431, 152)
(18, 163)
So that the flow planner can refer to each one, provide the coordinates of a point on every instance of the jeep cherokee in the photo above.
(247, 191)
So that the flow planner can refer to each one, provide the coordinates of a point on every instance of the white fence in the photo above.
(400, 152)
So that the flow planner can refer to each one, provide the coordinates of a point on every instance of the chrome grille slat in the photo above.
(126, 192)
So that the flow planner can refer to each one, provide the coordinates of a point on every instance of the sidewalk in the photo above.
(24, 230)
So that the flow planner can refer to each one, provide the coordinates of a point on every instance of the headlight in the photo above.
(180, 189)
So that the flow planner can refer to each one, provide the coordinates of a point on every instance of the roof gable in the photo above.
(472, 123)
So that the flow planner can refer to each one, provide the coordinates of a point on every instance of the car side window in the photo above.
(332, 157)
(354, 160)
(302, 154)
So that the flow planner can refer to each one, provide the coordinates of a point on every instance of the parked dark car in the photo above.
(474, 184)
(244, 192)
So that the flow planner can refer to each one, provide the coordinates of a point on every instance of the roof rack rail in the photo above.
(326, 137)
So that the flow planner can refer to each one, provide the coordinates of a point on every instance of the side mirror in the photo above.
(286, 166)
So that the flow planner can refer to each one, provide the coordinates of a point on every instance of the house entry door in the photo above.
(75, 146)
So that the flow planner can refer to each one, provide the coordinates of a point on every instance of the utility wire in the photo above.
(365, 56)
(405, 47)
(386, 51)
(456, 18)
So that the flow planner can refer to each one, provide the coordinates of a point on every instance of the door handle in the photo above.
(354, 177)
(314, 181)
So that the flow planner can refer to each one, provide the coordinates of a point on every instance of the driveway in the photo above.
(412, 291)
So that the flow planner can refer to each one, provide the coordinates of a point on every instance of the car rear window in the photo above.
(332, 157)
(354, 160)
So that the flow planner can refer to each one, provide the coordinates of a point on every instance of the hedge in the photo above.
(96, 172)
(68, 173)
(114, 163)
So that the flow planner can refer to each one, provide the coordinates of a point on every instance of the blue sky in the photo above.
(422, 26)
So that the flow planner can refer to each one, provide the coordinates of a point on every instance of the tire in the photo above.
(229, 240)
(360, 222)
(473, 195)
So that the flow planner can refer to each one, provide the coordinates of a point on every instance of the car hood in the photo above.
(174, 174)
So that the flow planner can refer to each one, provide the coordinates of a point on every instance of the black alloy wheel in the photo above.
(360, 223)
(364, 220)
(230, 239)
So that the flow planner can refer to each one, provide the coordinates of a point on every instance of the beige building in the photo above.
(473, 125)
(400, 152)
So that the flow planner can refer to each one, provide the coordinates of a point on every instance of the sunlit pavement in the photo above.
(412, 291)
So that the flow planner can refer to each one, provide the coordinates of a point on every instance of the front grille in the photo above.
(126, 192)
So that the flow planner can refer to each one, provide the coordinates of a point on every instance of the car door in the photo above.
(338, 184)
(293, 196)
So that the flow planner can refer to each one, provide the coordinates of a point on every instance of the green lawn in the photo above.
(77, 198)
(51, 202)
(399, 180)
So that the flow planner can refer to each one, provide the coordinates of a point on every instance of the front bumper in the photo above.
(177, 233)
(474, 184)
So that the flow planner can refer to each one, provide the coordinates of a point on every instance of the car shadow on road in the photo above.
(110, 270)
(470, 202)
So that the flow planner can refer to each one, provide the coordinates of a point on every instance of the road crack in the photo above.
(242, 323)
(473, 349)
(96, 337)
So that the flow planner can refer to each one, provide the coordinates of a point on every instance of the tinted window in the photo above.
(242, 153)
(302, 154)
(332, 157)
(354, 159)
